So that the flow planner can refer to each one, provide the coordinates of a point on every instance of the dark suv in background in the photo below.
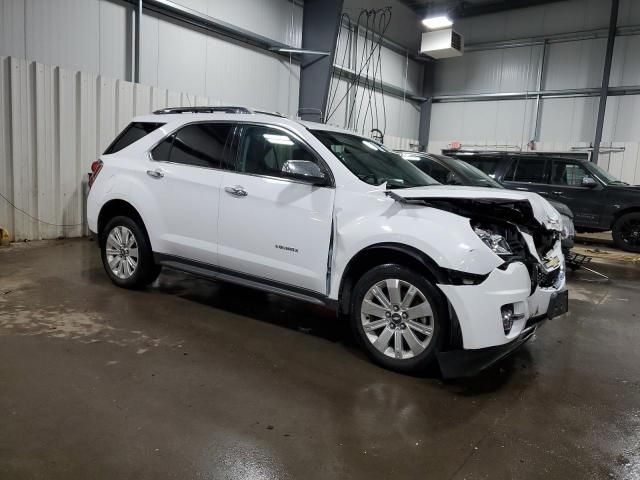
(599, 201)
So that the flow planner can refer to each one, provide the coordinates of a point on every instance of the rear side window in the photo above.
(488, 165)
(527, 170)
(198, 144)
(131, 134)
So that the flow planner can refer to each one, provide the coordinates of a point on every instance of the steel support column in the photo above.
(425, 107)
(136, 43)
(604, 89)
(320, 26)
(540, 84)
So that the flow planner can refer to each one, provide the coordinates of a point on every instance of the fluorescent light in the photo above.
(433, 23)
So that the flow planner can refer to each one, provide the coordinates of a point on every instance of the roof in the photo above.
(232, 113)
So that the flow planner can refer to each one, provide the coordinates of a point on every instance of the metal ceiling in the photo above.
(468, 8)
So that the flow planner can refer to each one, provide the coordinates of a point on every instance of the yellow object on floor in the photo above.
(4, 237)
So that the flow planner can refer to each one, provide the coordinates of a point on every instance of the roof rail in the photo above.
(224, 109)
(266, 112)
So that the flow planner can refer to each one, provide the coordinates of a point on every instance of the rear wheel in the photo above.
(399, 318)
(626, 232)
(126, 254)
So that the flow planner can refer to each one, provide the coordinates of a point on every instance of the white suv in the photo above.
(421, 270)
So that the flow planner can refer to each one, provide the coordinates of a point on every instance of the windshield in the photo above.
(605, 176)
(373, 163)
(476, 177)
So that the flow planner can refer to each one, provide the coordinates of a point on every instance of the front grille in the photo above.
(548, 279)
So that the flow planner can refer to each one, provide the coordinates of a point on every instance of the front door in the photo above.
(184, 175)
(272, 227)
(586, 203)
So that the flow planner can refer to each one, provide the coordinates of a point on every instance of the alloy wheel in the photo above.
(397, 318)
(630, 232)
(122, 252)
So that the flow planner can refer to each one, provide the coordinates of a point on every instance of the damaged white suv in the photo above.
(421, 270)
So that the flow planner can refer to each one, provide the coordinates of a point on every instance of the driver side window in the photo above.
(264, 150)
(568, 173)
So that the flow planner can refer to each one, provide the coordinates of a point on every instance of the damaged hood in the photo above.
(541, 209)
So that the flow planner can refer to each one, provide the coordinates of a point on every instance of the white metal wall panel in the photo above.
(488, 71)
(625, 67)
(568, 120)
(629, 13)
(6, 156)
(63, 32)
(181, 57)
(393, 66)
(549, 19)
(115, 39)
(575, 64)
(96, 36)
(12, 36)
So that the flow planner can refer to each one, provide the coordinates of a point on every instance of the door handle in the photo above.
(236, 191)
(558, 193)
(157, 173)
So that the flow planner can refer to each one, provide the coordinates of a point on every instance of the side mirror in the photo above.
(305, 171)
(589, 182)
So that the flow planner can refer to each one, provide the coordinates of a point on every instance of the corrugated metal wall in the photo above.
(565, 122)
(53, 123)
(96, 36)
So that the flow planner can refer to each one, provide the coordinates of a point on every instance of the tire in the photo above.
(374, 324)
(120, 237)
(626, 232)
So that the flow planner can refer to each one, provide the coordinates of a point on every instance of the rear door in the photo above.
(587, 204)
(530, 174)
(184, 174)
(272, 227)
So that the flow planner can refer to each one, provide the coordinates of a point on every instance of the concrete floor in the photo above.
(192, 379)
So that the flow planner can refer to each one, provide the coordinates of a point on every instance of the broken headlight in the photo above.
(494, 240)
(568, 230)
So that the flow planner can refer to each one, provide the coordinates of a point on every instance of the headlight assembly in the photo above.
(496, 242)
(568, 230)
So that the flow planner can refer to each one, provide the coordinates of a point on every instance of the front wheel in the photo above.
(126, 254)
(399, 318)
(626, 232)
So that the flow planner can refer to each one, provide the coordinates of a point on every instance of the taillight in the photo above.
(95, 170)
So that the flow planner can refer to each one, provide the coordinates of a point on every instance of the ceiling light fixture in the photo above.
(434, 23)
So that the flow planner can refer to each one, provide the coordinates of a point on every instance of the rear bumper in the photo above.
(467, 363)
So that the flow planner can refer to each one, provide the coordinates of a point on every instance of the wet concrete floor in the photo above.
(193, 379)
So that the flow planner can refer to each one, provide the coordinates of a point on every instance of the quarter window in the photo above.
(131, 134)
(198, 144)
(263, 151)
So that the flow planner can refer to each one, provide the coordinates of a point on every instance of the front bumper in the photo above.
(478, 307)
(467, 363)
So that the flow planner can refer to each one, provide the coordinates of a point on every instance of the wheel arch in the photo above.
(383, 253)
(624, 211)
(114, 208)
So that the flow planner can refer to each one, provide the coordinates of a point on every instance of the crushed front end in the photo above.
(498, 314)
